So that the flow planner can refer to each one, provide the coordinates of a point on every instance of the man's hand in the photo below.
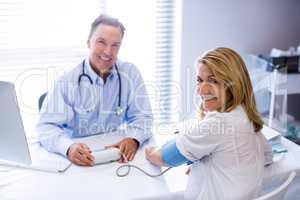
(128, 147)
(80, 154)
(154, 156)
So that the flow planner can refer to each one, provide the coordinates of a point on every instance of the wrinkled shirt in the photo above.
(71, 110)
(228, 157)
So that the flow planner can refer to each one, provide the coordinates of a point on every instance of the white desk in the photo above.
(78, 183)
(100, 182)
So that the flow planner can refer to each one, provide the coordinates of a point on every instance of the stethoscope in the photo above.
(119, 110)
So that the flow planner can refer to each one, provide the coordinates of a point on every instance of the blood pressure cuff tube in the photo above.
(171, 155)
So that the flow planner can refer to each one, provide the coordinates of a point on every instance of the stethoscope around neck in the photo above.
(119, 109)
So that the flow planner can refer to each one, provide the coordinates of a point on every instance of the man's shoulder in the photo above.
(127, 67)
(71, 74)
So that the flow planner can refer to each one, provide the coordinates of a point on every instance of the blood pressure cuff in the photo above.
(171, 155)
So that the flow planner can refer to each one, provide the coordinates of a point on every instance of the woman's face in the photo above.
(211, 90)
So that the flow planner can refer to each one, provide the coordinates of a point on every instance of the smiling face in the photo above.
(104, 46)
(211, 90)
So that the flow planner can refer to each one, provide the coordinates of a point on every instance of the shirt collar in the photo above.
(94, 76)
(113, 71)
(90, 71)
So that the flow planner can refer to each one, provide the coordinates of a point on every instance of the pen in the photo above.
(86, 156)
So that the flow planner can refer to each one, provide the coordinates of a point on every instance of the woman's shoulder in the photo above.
(236, 119)
(237, 111)
(208, 126)
(235, 116)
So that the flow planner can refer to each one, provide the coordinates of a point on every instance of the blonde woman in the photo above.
(225, 147)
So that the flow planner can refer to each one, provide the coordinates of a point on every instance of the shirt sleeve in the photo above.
(139, 116)
(199, 139)
(54, 113)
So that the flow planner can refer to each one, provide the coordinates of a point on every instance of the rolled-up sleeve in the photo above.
(54, 113)
(197, 140)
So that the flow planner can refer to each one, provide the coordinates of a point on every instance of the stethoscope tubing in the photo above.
(84, 74)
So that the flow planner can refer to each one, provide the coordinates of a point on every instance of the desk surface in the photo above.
(100, 182)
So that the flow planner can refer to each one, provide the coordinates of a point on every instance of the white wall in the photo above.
(253, 26)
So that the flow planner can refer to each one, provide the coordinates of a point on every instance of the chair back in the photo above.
(280, 191)
(41, 100)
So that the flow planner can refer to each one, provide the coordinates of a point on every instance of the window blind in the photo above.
(38, 38)
(164, 60)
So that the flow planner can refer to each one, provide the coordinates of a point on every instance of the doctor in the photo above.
(97, 96)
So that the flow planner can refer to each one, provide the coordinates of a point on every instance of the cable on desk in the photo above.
(129, 166)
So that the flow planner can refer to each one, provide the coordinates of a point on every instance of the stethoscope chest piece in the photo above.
(119, 111)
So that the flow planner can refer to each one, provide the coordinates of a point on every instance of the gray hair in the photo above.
(107, 20)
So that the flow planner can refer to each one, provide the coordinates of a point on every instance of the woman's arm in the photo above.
(154, 156)
(168, 155)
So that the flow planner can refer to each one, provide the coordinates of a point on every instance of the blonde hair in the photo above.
(228, 67)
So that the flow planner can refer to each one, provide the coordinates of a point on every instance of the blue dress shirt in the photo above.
(71, 110)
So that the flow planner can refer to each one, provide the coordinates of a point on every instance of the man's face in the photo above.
(104, 46)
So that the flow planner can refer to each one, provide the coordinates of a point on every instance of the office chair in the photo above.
(276, 194)
(279, 192)
(41, 100)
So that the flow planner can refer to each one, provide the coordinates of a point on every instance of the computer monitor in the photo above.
(13, 143)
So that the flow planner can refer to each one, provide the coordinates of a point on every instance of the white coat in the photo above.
(228, 157)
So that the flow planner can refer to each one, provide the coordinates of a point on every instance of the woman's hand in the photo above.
(154, 156)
